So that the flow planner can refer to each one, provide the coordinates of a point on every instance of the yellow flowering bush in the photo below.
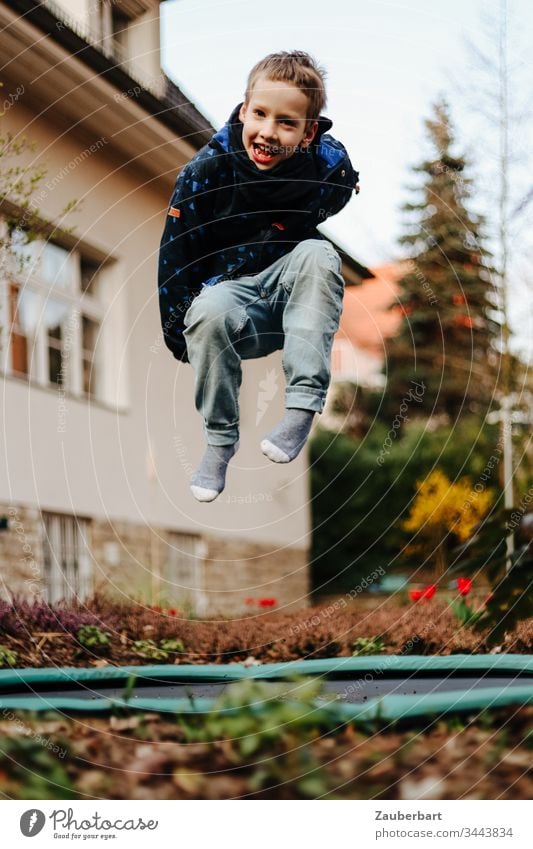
(442, 508)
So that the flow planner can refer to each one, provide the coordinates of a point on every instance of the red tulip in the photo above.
(267, 602)
(429, 591)
(415, 595)
(464, 585)
(172, 611)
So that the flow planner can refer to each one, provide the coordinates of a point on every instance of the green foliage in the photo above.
(92, 637)
(368, 645)
(20, 186)
(357, 503)
(273, 723)
(130, 686)
(33, 771)
(172, 645)
(511, 599)
(7, 656)
(150, 650)
(254, 714)
(466, 614)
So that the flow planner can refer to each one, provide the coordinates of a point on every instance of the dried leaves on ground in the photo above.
(151, 757)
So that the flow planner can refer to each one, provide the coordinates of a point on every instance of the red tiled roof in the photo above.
(366, 320)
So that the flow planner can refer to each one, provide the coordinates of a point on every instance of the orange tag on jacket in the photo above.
(174, 212)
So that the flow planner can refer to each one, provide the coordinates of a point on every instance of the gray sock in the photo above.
(210, 478)
(287, 439)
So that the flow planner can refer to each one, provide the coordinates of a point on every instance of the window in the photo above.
(56, 315)
(109, 22)
(184, 571)
(67, 563)
(51, 322)
(23, 317)
(91, 365)
(119, 26)
(89, 276)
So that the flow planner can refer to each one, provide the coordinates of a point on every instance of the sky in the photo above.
(386, 63)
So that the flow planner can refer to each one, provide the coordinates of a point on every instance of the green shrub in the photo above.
(358, 503)
(7, 656)
(511, 599)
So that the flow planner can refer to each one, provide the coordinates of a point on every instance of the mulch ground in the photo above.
(148, 757)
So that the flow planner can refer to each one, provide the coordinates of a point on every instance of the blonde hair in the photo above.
(298, 68)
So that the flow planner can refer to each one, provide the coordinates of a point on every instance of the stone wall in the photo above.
(21, 552)
(230, 578)
(133, 561)
(239, 574)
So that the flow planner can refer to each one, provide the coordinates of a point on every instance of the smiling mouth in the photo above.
(263, 152)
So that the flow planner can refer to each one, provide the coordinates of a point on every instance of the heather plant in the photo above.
(38, 615)
(10, 622)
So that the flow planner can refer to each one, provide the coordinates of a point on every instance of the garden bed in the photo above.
(37, 635)
(288, 750)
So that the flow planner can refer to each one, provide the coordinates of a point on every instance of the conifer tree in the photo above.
(449, 339)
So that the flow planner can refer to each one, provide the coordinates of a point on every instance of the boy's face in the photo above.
(275, 122)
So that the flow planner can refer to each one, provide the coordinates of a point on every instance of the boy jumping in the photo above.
(243, 270)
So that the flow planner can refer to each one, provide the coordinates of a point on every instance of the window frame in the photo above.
(78, 303)
(195, 595)
(67, 561)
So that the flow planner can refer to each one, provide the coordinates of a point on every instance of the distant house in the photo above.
(367, 321)
(100, 433)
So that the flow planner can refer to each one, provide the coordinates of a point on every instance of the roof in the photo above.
(172, 109)
(366, 318)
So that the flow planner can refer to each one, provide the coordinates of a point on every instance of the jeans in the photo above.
(295, 304)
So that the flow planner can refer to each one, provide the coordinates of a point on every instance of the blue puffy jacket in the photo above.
(212, 235)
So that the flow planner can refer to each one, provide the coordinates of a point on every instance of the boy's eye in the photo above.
(287, 121)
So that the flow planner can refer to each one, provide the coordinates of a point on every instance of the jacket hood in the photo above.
(327, 148)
